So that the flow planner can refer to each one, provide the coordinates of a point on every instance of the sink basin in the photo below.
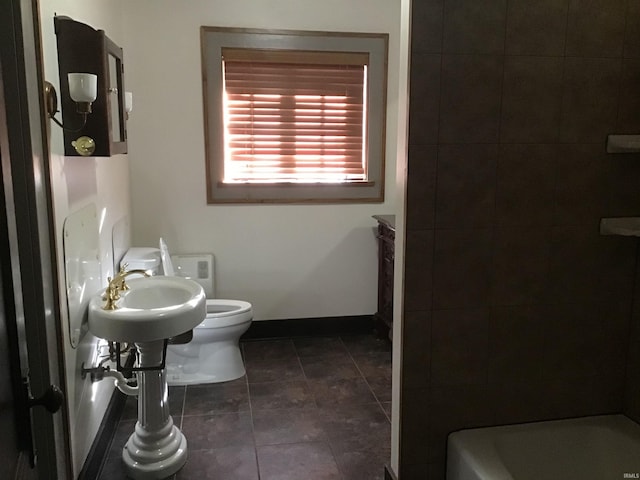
(154, 308)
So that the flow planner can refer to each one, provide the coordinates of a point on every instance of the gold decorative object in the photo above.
(51, 99)
(85, 146)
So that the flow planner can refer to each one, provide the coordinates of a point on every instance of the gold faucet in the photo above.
(117, 285)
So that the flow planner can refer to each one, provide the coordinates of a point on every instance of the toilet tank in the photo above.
(198, 267)
(144, 258)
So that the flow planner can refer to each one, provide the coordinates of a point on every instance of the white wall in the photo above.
(77, 182)
(290, 261)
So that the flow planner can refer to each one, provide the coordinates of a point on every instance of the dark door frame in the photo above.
(27, 189)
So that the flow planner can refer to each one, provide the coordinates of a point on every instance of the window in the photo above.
(294, 116)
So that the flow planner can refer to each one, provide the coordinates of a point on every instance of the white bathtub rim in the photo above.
(462, 464)
(466, 447)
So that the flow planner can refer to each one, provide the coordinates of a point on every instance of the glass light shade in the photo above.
(128, 102)
(83, 87)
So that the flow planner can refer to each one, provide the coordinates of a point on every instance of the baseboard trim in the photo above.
(305, 327)
(388, 473)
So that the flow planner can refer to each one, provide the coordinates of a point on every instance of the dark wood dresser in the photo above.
(383, 319)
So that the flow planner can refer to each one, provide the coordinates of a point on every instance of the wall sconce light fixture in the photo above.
(128, 104)
(83, 89)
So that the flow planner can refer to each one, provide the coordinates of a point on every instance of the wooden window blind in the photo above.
(294, 116)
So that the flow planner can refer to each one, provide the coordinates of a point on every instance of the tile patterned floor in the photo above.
(314, 408)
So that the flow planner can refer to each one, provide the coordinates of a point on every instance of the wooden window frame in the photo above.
(375, 46)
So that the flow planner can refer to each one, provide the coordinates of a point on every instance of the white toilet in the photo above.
(213, 355)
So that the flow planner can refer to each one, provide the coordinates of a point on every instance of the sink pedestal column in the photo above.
(157, 449)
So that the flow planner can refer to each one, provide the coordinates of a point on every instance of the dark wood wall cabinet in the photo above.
(386, 234)
(83, 49)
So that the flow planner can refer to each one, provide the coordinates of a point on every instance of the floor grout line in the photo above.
(368, 384)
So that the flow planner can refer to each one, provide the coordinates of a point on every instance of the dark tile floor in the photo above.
(314, 408)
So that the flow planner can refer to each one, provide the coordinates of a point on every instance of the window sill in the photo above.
(295, 193)
(295, 184)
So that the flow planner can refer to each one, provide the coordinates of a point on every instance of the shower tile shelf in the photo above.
(626, 226)
(623, 143)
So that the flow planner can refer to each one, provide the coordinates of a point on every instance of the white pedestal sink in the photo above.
(153, 310)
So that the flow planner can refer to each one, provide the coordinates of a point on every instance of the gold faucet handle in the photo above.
(122, 286)
(124, 273)
(111, 295)
(107, 291)
(117, 285)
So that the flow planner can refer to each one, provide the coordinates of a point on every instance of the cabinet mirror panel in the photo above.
(115, 109)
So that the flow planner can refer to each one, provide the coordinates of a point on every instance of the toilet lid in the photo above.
(224, 313)
(167, 264)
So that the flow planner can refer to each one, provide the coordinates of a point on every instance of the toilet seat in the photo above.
(225, 313)
(165, 258)
(220, 312)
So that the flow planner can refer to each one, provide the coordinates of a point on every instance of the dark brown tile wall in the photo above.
(516, 309)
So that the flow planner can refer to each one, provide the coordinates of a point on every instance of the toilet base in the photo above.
(177, 378)
(194, 364)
